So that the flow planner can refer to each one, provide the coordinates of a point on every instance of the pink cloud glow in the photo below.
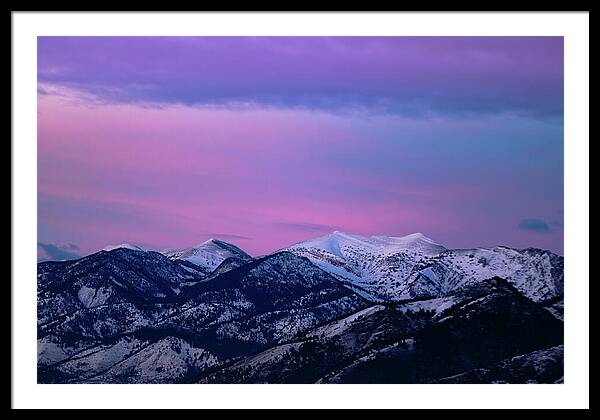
(260, 178)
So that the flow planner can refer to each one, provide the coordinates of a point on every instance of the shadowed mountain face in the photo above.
(540, 366)
(393, 344)
(130, 316)
(96, 326)
(489, 322)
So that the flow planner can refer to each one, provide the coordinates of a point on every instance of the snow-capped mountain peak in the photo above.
(415, 242)
(415, 266)
(337, 243)
(123, 245)
(208, 255)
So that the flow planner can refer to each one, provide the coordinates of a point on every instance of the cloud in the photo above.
(413, 76)
(227, 236)
(57, 252)
(558, 223)
(307, 227)
(534, 225)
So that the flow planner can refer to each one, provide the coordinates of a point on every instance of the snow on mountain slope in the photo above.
(414, 266)
(538, 274)
(275, 298)
(375, 264)
(115, 316)
(138, 361)
(86, 296)
(208, 255)
(436, 305)
(123, 245)
(340, 326)
(345, 245)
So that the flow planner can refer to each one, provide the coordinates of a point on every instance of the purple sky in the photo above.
(264, 142)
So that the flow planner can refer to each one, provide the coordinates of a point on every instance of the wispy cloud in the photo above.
(307, 227)
(229, 236)
(534, 225)
(57, 252)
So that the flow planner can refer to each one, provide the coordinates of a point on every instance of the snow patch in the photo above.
(91, 298)
(123, 245)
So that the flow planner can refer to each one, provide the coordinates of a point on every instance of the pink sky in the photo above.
(164, 173)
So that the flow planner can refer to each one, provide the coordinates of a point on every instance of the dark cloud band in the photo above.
(415, 76)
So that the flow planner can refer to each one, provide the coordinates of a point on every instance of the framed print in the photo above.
(346, 209)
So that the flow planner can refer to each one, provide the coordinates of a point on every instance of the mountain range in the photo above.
(342, 308)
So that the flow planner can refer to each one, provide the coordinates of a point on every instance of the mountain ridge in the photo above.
(294, 316)
(415, 266)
